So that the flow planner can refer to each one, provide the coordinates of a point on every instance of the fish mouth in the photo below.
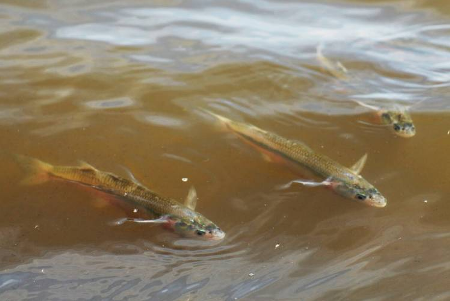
(406, 134)
(378, 201)
(215, 235)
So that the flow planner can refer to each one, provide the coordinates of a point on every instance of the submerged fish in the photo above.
(345, 181)
(397, 117)
(180, 218)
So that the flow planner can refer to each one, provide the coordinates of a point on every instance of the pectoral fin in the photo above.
(358, 166)
(121, 221)
(327, 182)
(191, 199)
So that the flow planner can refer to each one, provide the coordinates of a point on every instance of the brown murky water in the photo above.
(120, 85)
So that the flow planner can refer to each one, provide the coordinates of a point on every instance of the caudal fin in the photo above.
(222, 123)
(37, 171)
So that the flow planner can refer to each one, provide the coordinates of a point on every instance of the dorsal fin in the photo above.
(130, 174)
(359, 165)
(415, 104)
(191, 199)
(85, 165)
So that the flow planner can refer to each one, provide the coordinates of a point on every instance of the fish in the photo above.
(344, 181)
(396, 117)
(180, 218)
(336, 69)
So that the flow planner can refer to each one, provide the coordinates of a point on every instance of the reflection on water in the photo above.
(121, 86)
(109, 103)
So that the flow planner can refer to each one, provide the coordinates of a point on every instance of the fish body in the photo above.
(341, 179)
(397, 118)
(182, 219)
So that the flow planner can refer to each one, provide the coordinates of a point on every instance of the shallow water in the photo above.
(121, 86)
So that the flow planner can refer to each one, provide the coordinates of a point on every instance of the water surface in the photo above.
(121, 86)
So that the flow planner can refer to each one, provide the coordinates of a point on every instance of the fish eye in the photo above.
(200, 232)
(397, 127)
(361, 197)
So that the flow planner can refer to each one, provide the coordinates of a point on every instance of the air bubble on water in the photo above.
(135, 210)
(184, 179)
(251, 274)
(425, 201)
(277, 246)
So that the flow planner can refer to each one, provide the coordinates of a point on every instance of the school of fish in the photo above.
(145, 206)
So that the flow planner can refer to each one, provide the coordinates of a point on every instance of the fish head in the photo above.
(401, 122)
(404, 129)
(361, 191)
(195, 225)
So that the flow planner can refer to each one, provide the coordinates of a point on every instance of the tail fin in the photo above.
(37, 171)
(223, 121)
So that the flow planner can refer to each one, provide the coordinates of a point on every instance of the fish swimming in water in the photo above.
(182, 219)
(344, 181)
(397, 117)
